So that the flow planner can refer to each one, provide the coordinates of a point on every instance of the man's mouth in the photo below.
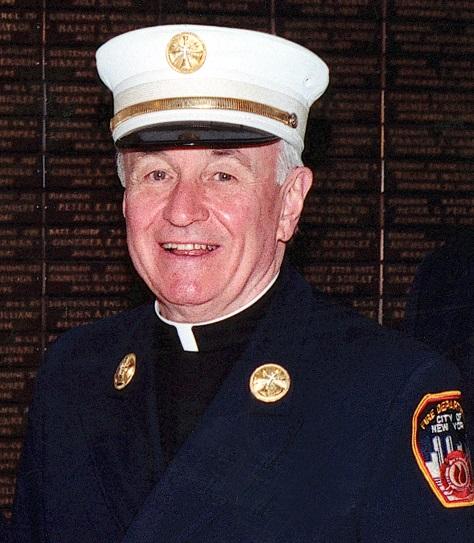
(191, 249)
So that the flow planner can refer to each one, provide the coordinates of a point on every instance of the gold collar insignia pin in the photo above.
(270, 382)
(186, 52)
(125, 371)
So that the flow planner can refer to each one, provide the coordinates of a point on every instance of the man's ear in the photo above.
(124, 203)
(294, 191)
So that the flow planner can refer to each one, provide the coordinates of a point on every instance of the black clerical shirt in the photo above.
(186, 382)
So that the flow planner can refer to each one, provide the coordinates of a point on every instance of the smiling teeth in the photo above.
(188, 247)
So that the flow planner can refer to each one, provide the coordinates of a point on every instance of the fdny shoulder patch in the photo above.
(441, 450)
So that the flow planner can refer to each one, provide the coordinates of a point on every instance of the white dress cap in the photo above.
(192, 84)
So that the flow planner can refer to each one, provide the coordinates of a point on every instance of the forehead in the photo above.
(253, 158)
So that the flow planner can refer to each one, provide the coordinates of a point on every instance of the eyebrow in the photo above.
(234, 153)
(145, 154)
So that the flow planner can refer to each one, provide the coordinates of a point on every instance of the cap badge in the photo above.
(125, 371)
(185, 52)
(270, 382)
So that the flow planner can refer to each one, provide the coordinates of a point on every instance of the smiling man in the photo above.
(207, 228)
(240, 406)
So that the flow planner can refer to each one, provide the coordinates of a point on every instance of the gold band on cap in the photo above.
(204, 102)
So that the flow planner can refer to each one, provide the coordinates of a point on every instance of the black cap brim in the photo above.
(194, 133)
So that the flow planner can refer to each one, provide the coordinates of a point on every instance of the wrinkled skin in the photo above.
(207, 228)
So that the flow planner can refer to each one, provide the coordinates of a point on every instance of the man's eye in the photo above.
(223, 177)
(157, 175)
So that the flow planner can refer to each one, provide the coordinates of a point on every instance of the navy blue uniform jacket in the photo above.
(330, 462)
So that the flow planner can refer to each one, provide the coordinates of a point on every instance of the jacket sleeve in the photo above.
(5, 535)
(27, 520)
(421, 488)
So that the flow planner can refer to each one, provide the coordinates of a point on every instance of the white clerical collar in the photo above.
(185, 329)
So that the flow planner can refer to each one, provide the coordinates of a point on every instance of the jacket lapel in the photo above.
(229, 456)
(118, 426)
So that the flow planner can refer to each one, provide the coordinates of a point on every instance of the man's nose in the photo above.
(185, 204)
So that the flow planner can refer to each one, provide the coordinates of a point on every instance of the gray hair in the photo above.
(288, 159)
(120, 167)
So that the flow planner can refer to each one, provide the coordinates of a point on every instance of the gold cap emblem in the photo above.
(125, 371)
(186, 53)
(270, 382)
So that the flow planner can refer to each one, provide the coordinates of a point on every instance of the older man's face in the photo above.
(206, 228)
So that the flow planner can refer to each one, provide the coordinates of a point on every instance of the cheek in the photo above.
(236, 212)
(140, 211)
(270, 216)
(253, 220)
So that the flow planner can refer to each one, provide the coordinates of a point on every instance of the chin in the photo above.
(185, 295)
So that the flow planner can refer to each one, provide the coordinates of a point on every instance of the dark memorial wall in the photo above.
(429, 135)
(391, 144)
(339, 247)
